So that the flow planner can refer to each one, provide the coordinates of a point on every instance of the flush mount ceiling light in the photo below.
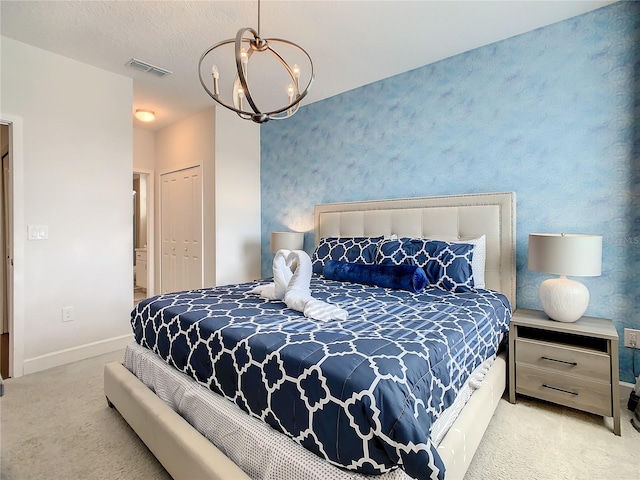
(145, 115)
(272, 79)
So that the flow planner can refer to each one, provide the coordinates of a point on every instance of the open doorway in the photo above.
(5, 247)
(142, 237)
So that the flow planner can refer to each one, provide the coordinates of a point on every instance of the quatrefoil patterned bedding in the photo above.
(361, 393)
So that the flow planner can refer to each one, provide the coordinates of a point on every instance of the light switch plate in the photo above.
(67, 314)
(37, 232)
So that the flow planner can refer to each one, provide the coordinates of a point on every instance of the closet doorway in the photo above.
(142, 236)
(181, 230)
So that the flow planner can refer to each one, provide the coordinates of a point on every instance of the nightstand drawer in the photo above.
(564, 359)
(576, 392)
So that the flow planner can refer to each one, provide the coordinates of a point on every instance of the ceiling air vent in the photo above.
(147, 67)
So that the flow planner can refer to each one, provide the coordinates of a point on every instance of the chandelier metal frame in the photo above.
(245, 47)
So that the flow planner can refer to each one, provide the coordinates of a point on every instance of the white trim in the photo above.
(74, 354)
(16, 320)
(626, 389)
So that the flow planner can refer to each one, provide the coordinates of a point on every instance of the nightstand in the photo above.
(571, 364)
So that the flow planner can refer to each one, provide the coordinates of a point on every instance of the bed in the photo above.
(180, 440)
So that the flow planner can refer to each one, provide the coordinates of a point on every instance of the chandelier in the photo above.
(249, 88)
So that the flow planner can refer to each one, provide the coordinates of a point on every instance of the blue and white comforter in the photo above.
(361, 393)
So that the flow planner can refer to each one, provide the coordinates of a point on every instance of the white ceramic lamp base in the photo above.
(564, 300)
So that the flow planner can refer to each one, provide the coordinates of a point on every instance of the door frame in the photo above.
(149, 176)
(17, 229)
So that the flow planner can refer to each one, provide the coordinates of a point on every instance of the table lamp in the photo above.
(286, 240)
(562, 299)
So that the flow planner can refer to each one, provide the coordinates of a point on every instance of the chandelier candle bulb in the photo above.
(244, 59)
(290, 91)
(216, 75)
(240, 95)
(296, 76)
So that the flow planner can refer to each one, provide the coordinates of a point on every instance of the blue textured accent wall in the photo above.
(553, 115)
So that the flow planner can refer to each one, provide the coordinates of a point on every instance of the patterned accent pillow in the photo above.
(447, 265)
(479, 257)
(348, 249)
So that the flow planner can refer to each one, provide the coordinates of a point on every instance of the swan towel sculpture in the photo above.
(291, 279)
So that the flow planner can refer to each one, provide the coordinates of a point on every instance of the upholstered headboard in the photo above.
(452, 217)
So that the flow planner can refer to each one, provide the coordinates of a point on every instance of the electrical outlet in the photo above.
(67, 314)
(631, 338)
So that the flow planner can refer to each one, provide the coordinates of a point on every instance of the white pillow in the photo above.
(479, 258)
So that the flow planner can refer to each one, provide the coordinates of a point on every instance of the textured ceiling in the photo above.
(352, 43)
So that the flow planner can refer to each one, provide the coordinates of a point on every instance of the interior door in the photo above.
(4, 243)
(181, 230)
(5, 248)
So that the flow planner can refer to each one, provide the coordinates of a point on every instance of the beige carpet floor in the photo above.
(56, 425)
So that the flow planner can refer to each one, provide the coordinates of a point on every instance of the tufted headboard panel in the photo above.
(452, 217)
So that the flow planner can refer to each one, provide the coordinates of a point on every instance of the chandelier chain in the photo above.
(258, 17)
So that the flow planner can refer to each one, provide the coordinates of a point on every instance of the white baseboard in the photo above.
(625, 389)
(70, 355)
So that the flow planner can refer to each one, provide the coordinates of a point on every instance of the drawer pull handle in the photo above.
(559, 361)
(559, 389)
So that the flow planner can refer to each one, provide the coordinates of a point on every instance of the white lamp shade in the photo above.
(566, 254)
(286, 241)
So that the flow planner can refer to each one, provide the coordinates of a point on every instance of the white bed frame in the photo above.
(186, 454)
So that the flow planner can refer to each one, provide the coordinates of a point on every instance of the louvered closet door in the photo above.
(181, 224)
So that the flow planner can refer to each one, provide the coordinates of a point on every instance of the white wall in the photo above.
(144, 151)
(185, 144)
(228, 149)
(237, 198)
(77, 167)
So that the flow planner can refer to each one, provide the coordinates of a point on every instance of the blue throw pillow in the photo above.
(446, 265)
(348, 249)
(400, 277)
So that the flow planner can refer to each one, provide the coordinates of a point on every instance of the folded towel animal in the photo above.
(402, 277)
(281, 277)
(298, 295)
(298, 292)
(291, 279)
